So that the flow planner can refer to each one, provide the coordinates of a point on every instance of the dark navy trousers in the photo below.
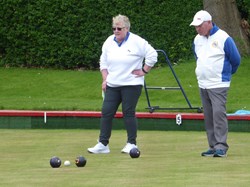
(128, 97)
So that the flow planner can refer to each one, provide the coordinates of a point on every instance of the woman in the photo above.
(121, 66)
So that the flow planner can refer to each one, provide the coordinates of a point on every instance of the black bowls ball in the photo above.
(55, 162)
(134, 153)
(80, 161)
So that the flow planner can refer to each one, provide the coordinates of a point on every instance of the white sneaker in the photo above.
(128, 147)
(99, 148)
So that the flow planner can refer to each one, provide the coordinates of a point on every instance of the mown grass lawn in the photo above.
(46, 89)
(167, 159)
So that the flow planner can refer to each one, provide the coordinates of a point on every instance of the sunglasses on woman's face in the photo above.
(118, 28)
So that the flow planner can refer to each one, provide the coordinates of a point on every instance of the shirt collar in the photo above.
(214, 29)
(125, 39)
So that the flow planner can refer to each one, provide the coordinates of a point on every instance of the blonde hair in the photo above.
(121, 19)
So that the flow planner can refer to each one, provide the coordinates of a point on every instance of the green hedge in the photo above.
(70, 33)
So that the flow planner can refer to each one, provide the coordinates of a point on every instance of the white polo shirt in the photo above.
(121, 60)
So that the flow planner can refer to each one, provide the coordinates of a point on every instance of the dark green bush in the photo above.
(70, 33)
(244, 8)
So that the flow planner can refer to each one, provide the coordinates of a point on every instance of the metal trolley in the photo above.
(153, 108)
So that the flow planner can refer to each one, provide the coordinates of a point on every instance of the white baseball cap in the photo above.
(200, 17)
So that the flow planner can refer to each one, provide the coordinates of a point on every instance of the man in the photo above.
(217, 58)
